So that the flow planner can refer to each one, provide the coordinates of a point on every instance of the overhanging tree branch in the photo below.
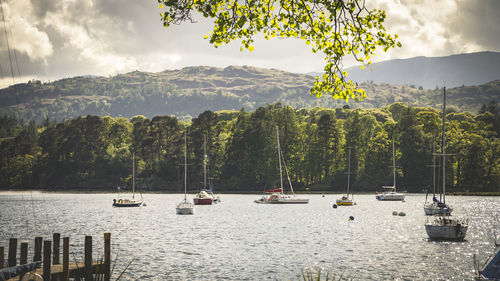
(335, 28)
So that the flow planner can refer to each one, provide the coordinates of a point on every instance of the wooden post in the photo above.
(2, 257)
(24, 253)
(38, 249)
(23, 259)
(12, 252)
(56, 239)
(47, 254)
(65, 276)
(88, 258)
(107, 256)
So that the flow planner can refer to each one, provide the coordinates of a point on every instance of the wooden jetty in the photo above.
(52, 269)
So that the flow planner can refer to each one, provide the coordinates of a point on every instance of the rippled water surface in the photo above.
(240, 240)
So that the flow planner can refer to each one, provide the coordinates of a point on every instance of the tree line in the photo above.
(95, 153)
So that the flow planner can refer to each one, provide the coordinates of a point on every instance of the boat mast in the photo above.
(434, 167)
(185, 166)
(348, 171)
(443, 144)
(393, 166)
(205, 162)
(133, 175)
(279, 158)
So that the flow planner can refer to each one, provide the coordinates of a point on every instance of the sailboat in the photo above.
(185, 207)
(436, 206)
(205, 196)
(345, 200)
(443, 226)
(276, 196)
(390, 193)
(127, 202)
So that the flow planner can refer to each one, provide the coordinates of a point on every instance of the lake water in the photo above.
(240, 240)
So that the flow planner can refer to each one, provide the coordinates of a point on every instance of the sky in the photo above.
(55, 39)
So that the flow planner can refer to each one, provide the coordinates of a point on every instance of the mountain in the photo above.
(189, 91)
(431, 72)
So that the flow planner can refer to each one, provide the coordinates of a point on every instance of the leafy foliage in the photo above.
(335, 28)
(95, 152)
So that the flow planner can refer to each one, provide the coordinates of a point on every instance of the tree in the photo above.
(335, 28)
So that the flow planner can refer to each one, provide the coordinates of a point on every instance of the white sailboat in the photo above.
(345, 200)
(127, 202)
(443, 226)
(205, 196)
(390, 193)
(276, 196)
(435, 206)
(185, 207)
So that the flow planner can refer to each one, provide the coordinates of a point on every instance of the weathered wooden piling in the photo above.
(47, 254)
(88, 258)
(38, 249)
(65, 276)
(107, 256)
(12, 259)
(2, 257)
(23, 258)
(56, 239)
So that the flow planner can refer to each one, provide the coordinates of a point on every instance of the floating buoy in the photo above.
(402, 214)
(335, 206)
(394, 213)
(323, 195)
(351, 218)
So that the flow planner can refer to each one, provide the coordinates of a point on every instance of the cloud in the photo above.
(24, 36)
(476, 25)
(62, 38)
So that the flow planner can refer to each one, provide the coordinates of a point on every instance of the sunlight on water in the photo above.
(240, 240)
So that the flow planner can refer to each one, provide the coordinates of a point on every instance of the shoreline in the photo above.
(110, 191)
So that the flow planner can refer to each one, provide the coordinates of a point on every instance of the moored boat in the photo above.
(205, 196)
(129, 202)
(390, 193)
(443, 226)
(276, 196)
(345, 200)
(185, 207)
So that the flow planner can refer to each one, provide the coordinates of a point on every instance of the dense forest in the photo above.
(95, 153)
(188, 92)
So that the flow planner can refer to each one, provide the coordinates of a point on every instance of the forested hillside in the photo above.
(187, 92)
(89, 153)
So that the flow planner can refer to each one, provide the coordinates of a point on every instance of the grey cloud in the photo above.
(478, 22)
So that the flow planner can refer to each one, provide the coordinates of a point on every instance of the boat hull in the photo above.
(120, 203)
(184, 211)
(390, 197)
(127, 205)
(344, 203)
(446, 228)
(281, 201)
(203, 201)
(446, 232)
(288, 201)
(434, 209)
(185, 208)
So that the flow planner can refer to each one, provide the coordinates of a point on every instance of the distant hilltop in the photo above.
(187, 92)
(430, 72)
